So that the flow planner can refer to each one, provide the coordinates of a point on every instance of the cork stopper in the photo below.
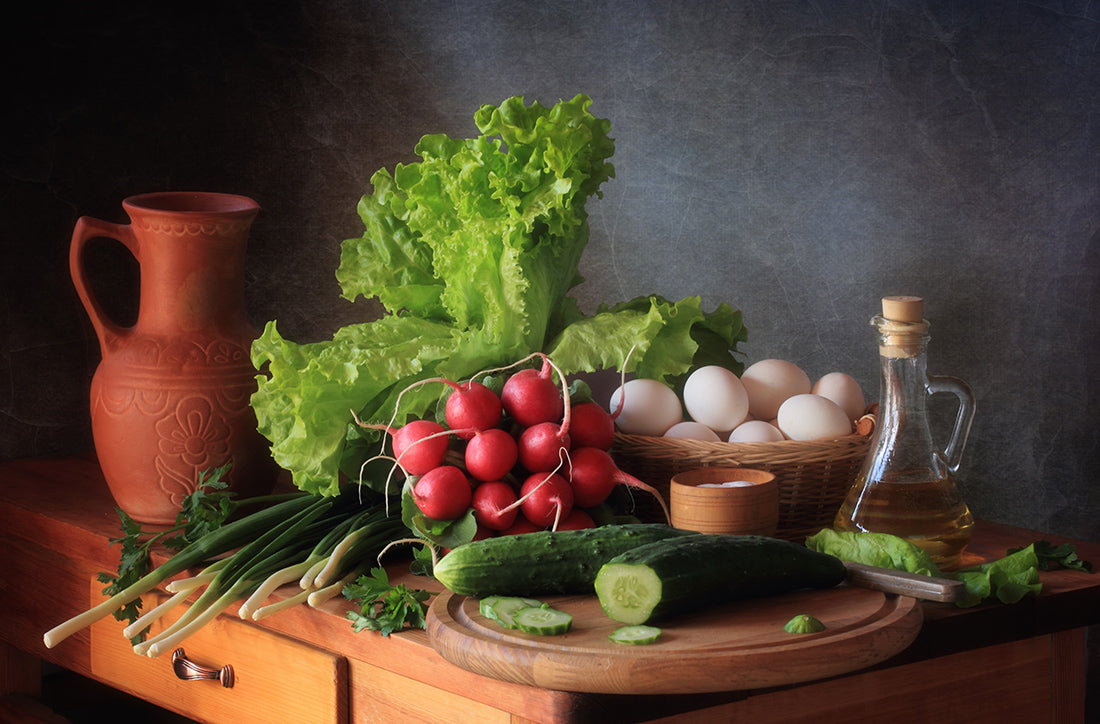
(903, 309)
(902, 326)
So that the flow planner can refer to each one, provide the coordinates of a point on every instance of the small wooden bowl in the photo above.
(742, 510)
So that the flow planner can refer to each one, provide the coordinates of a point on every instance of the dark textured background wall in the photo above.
(795, 159)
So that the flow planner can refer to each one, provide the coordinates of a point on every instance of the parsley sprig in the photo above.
(385, 608)
(1053, 556)
(202, 511)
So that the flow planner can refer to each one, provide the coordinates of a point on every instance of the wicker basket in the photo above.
(813, 477)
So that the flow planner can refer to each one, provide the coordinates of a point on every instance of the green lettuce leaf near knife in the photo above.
(1008, 579)
(472, 252)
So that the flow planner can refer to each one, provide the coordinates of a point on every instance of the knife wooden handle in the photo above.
(903, 583)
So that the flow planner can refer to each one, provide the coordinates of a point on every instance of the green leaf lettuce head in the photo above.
(472, 252)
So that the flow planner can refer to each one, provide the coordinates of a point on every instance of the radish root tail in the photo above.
(622, 383)
(633, 482)
(391, 544)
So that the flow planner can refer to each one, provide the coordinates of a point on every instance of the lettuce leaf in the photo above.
(874, 549)
(1008, 579)
(668, 338)
(472, 252)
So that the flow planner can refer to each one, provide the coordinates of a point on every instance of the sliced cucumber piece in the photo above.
(635, 634)
(544, 621)
(505, 607)
(485, 605)
(804, 623)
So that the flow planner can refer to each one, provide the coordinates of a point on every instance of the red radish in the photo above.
(542, 446)
(471, 406)
(416, 450)
(493, 504)
(546, 498)
(592, 473)
(491, 454)
(442, 493)
(543, 442)
(532, 397)
(592, 426)
(577, 520)
(418, 446)
(522, 525)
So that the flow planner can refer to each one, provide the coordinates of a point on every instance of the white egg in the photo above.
(844, 391)
(769, 383)
(715, 397)
(691, 430)
(649, 407)
(756, 431)
(812, 417)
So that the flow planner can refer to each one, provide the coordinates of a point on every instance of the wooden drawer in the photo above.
(378, 695)
(275, 678)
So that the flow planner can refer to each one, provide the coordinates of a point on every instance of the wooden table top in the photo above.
(64, 505)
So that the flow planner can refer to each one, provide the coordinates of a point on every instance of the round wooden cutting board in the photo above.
(736, 646)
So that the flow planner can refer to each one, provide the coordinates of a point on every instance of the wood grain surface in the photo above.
(739, 645)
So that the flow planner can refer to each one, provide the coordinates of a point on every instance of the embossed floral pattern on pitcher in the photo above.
(170, 399)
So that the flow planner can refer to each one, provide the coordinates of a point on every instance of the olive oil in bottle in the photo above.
(930, 513)
(906, 486)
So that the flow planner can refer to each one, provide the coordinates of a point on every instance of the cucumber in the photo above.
(533, 564)
(635, 635)
(678, 575)
(544, 621)
(504, 608)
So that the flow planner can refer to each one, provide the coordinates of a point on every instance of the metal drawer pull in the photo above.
(190, 671)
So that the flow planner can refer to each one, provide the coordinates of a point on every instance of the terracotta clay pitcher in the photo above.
(170, 398)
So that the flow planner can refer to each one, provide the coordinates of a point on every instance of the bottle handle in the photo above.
(952, 454)
(85, 230)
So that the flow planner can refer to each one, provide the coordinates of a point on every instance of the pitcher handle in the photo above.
(952, 454)
(86, 229)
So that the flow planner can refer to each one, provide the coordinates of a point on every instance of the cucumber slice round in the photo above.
(628, 592)
(505, 607)
(544, 621)
(485, 605)
(635, 634)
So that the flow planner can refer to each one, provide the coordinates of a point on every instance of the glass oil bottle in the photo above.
(906, 486)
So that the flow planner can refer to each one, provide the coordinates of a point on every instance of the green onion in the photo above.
(315, 540)
(222, 540)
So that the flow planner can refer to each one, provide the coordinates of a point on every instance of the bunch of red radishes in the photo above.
(524, 460)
